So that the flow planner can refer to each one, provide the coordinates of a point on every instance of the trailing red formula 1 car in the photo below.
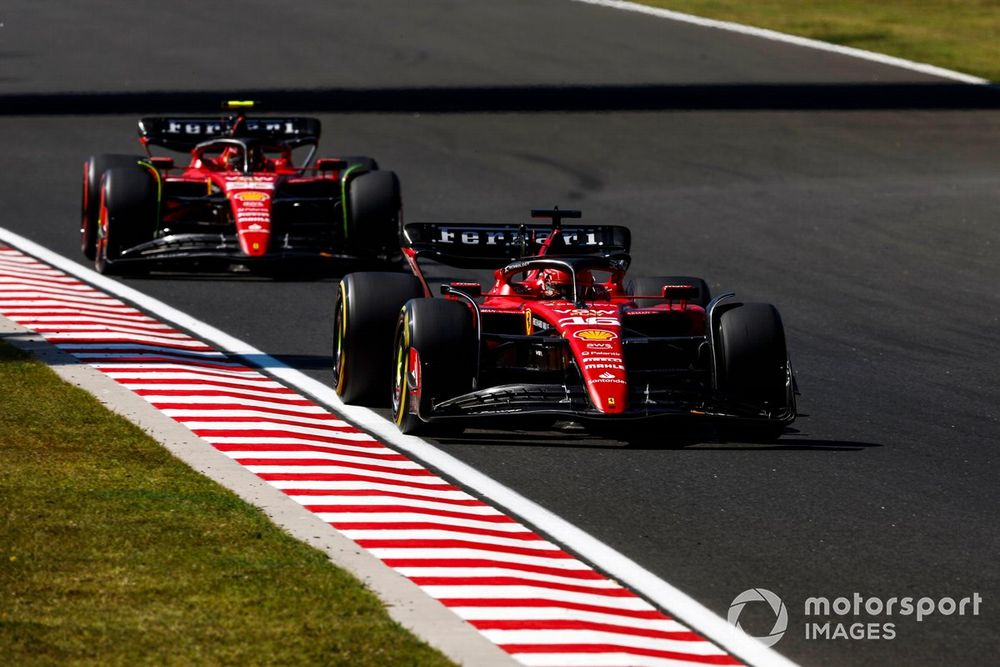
(558, 335)
(250, 195)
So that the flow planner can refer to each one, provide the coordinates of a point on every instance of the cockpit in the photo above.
(241, 155)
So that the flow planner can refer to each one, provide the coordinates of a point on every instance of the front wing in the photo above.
(529, 400)
(225, 248)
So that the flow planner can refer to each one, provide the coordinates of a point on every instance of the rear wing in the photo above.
(183, 134)
(474, 245)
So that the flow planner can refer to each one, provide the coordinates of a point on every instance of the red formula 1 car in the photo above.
(558, 335)
(250, 195)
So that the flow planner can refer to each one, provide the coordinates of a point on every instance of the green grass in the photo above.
(112, 552)
(962, 35)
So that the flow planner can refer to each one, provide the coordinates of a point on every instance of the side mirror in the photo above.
(164, 162)
(472, 289)
(330, 164)
(680, 292)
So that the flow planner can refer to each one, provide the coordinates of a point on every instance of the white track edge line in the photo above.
(776, 36)
(668, 597)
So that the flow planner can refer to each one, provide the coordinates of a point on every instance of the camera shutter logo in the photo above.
(777, 606)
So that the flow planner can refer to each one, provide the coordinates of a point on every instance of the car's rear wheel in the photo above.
(435, 359)
(93, 169)
(128, 210)
(752, 366)
(653, 286)
(374, 213)
(365, 315)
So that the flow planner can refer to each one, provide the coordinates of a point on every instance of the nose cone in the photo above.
(598, 354)
(252, 213)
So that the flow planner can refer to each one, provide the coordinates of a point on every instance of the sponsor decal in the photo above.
(195, 127)
(252, 196)
(249, 183)
(598, 346)
(589, 321)
(540, 324)
(215, 127)
(584, 311)
(606, 381)
(600, 356)
(506, 236)
(606, 375)
(589, 367)
(595, 335)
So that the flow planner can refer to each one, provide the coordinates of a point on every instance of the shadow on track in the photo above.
(524, 99)
(701, 440)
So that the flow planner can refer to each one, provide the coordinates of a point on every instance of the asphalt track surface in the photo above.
(861, 199)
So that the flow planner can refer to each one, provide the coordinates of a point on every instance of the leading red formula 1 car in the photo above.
(249, 195)
(558, 335)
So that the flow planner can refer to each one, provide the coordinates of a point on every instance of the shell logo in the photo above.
(595, 334)
(252, 196)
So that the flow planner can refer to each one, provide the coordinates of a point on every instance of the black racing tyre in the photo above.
(374, 213)
(752, 361)
(366, 163)
(654, 285)
(436, 346)
(128, 211)
(367, 307)
(93, 169)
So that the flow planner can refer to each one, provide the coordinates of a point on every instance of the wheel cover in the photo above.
(85, 227)
(399, 392)
(340, 328)
(406, 379)
(101, 255)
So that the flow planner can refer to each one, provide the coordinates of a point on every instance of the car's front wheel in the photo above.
(128, 211)
(435, 359)
(93, 170)
(752, 366)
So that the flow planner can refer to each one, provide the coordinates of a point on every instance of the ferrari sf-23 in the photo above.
(250, 195)
(558, 335)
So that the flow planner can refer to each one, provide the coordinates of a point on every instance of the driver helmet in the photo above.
(257, 159)
(558, 284)
(232, 158)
